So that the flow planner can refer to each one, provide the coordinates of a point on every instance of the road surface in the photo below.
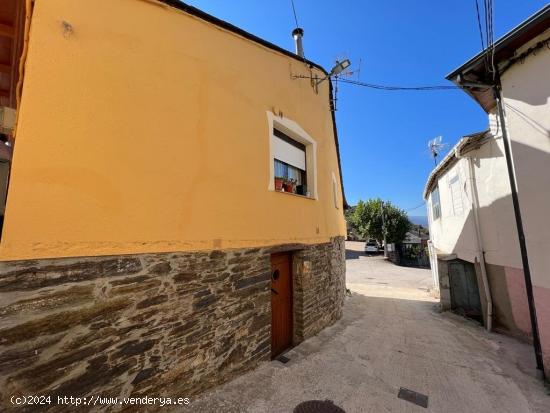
(391, 336)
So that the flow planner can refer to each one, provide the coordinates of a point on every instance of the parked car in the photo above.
(371, 247)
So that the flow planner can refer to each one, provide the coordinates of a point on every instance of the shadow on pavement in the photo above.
(353, 255)
(381, 345)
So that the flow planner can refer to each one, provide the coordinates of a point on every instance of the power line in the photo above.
(394, 88)
(416, 207)
(387, 87)
(492, 21)
(489, 35)
(479, 25)
(294, 11)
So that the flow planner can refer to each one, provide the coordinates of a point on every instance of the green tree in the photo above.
(367, 219)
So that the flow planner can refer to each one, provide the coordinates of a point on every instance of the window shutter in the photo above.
(288, 153)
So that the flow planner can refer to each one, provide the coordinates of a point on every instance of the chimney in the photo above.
(298, 33)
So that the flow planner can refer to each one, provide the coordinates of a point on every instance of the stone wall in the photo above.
(393, 254)
(444, 285)
(169, 324)
(319, 287)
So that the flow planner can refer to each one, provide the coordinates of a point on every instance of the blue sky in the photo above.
(384, 135)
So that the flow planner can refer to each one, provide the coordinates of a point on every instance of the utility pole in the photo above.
(496, 87)
(497, 90)
(384, 229)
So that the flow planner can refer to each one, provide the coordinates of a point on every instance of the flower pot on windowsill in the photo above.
(279, 183)
(289, 186)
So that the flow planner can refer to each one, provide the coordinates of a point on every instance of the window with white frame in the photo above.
(436, 205)
(289, 162)
(456, 195)
(293, 158)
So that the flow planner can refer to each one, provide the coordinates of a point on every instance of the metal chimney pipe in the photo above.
(298, 33)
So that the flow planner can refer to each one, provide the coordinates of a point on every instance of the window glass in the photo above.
(456, 194)
(436, 206)
(291, 174)
(289, 164)
(293, 159)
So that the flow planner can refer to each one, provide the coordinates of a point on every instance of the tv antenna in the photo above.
(436, 146)
(356, 73)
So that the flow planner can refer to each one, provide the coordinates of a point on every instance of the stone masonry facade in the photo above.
(168, 324)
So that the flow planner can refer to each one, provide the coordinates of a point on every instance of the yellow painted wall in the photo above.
(145, 130)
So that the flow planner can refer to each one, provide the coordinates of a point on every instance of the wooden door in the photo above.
(281, 303)
(464, 289)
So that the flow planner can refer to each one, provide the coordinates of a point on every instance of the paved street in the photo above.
(392, 336)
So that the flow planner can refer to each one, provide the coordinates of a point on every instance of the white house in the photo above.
(470, 212)
(473, 222)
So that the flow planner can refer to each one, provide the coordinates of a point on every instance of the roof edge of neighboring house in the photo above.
(474, 70)
(466, 144)
(234, 29)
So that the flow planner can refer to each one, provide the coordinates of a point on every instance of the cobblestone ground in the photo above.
(391, 336)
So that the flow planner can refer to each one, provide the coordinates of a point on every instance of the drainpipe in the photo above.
(496, 87)
(482, 264)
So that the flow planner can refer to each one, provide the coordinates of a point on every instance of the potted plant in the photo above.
(279, 181)
(289, 185)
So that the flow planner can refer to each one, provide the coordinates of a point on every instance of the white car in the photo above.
(371, 247)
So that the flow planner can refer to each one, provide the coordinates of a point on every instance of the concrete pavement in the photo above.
(373, 276)
(391, 336)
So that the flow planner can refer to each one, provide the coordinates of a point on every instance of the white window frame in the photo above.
(296, 132)
(434, 217)
(456, 194)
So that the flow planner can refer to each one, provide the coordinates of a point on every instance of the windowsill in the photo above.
(293, 194)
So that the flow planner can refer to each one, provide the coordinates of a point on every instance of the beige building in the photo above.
(470, 212)
(470, 197)
(174, 214)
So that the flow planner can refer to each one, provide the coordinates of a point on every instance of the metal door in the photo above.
(464, 288)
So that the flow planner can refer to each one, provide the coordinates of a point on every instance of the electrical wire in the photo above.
(294, 11)
(405, 88)
(479, 25)
(394, 88)
(335, 94)
(416, 207)
(488, 23)
(489, 36)
(492, 41)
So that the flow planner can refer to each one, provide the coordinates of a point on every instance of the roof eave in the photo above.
(177, 4)
(531, 24)
(451, 158)
(474, 69)
(483, 97)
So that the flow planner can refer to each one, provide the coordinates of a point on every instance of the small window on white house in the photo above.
(289, 163)
(436, 205)
(456, 195)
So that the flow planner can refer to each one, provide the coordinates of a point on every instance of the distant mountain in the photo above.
(419, 220)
